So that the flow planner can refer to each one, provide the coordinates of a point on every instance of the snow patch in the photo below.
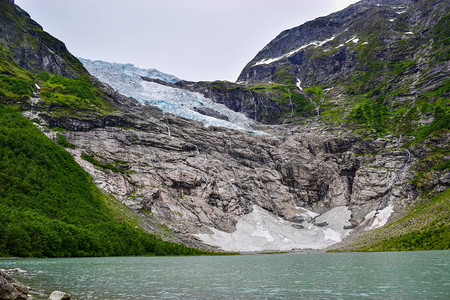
(382, 217)
(370, 215)
(267, 61)
(353, 39)
(263, 231)
(299, 82)
(331, 235)
(409, 32)
(337, 218)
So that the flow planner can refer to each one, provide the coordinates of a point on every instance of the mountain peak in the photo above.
(338, 33)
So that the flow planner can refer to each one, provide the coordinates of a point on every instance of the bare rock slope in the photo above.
(198, 180)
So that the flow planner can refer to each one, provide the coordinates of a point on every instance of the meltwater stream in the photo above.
(390, 275)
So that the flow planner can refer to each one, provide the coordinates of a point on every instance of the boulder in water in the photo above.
(57, 295)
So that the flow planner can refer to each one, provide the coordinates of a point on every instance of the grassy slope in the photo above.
(64, 95)
(71, 96)
(425, 226)
(49, 206)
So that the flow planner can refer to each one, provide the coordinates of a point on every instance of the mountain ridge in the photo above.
(321, 28)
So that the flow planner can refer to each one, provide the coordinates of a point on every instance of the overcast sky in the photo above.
(191, 39)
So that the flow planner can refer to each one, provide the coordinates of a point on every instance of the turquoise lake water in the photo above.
(390, 275)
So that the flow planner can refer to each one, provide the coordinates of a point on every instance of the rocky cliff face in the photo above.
(250, 102)
(195, 179)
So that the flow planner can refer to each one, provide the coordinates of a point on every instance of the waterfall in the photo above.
(313, 102)
(254, 102)
(32, 108)
(290, 101)
(34, 99)
(168, 130)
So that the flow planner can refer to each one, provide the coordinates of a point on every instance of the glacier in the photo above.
(127, 80)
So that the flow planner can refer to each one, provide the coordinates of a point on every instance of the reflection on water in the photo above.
(401, 275)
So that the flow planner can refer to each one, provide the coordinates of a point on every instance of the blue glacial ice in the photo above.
(126, 79)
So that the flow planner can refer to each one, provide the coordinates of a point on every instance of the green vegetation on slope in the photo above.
(16, 84)
(425, 226)
(76, 95)
(371, 112)
(283, 75)
(441, 39)
(382, 115)
(386, 95)
(434, 163)
(285, 94)
(49, 207)
(61, 140)
(66, 95)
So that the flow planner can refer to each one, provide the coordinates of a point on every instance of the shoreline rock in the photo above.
(10, 288)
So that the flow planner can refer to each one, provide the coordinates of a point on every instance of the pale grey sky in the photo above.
(191, 39)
